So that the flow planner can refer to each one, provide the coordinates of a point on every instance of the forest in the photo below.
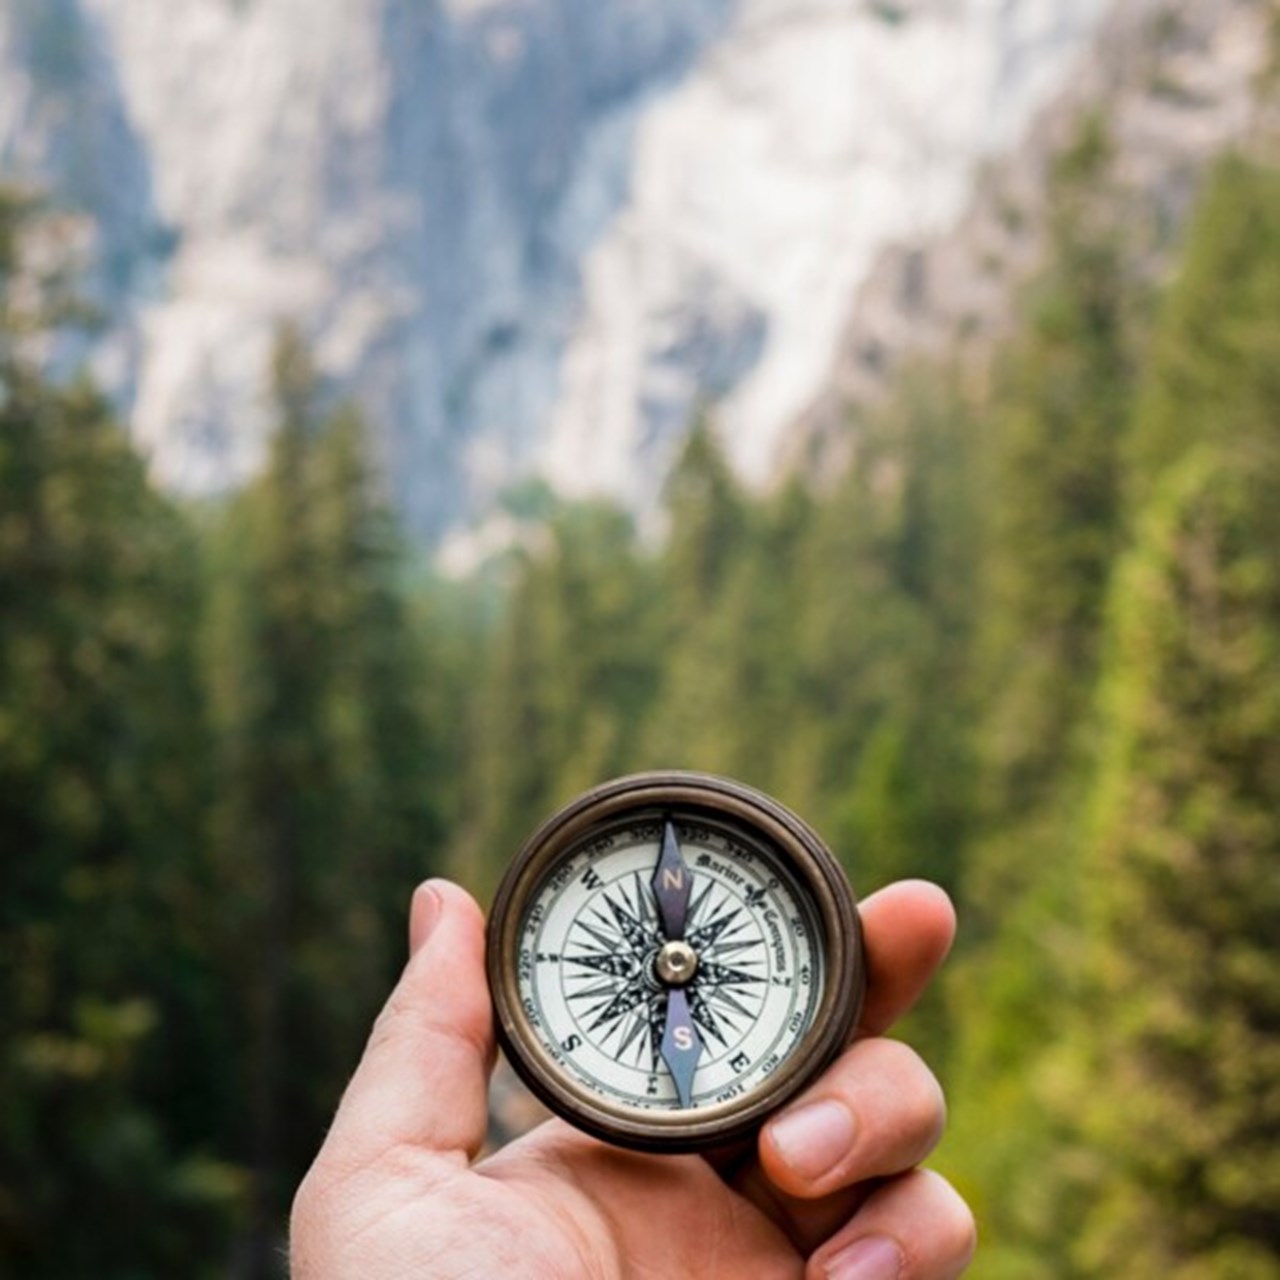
(1025, 643)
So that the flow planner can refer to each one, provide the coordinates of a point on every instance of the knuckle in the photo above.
(910, 1102)
(411, 1010)
(928, 1112)
(954, 1221)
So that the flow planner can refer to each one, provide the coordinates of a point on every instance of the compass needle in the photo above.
(672, 885)
(681, 1045)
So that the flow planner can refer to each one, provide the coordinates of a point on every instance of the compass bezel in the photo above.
(690, 796)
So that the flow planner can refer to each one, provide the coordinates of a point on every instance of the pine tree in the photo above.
(1050, 468)
(730, 695)
(1215, 358)
(725, 704)
(107, 1067)
(907, 811)
(569, 677)
(707, 519)
(1182, 1098)
(327, 817)
(1180, 1102)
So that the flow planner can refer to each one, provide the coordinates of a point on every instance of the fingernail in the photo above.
(871, 1258)
(424, 913)
(814, 1138)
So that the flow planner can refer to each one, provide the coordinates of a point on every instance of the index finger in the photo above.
(907, 930)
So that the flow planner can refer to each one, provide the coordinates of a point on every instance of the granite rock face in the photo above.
(528, 236)
(809, 136)
(1175, 81)
(411, 182)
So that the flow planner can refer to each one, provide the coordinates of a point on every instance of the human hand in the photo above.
(831, 1189)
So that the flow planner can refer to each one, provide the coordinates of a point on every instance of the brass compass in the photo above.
(672, 957)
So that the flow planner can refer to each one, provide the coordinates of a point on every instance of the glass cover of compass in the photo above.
(672, 957)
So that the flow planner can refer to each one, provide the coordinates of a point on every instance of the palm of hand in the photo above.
(395, 1191)
(557, 1206)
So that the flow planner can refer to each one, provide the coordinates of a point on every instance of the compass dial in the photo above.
(594, 978)
(669, 960)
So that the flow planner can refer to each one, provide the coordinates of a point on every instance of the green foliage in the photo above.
(1049, 467)
(559, 702)
(1055, 1070)
(708, 523)
(105, 1063)
(1182, 1104)
(1052, 471)
(1180, 1110)
(328, 776)
(232, 740)
(1215, 359)
(913, 610)
(211, 731)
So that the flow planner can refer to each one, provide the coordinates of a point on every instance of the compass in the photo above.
(672, 957)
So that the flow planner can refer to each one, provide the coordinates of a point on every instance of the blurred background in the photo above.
(413, 412)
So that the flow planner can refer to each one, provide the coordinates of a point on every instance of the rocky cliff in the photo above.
(527, 235)
(1175, 84)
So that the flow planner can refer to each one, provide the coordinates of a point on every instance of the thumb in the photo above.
(424, 1077)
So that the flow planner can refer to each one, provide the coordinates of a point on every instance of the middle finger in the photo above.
(877, 1111)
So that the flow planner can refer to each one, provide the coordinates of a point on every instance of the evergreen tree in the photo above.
(1050, 468)
(327, 814)
(108, 1063)
(706, 541)
(1215, 358)
(568, 679)
(907, 810)
(707, 518)
(1019, 1074)
(1180, 1101)
(729, 701)
(1182, 1104)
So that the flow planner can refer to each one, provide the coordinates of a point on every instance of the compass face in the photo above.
(671, 957)
(591, 942)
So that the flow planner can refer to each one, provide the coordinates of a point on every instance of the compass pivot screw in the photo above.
(676, 963)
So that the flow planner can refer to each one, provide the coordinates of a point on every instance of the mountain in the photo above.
(410, 181)
(1176, 85)
(808, 136)
(528, 236)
